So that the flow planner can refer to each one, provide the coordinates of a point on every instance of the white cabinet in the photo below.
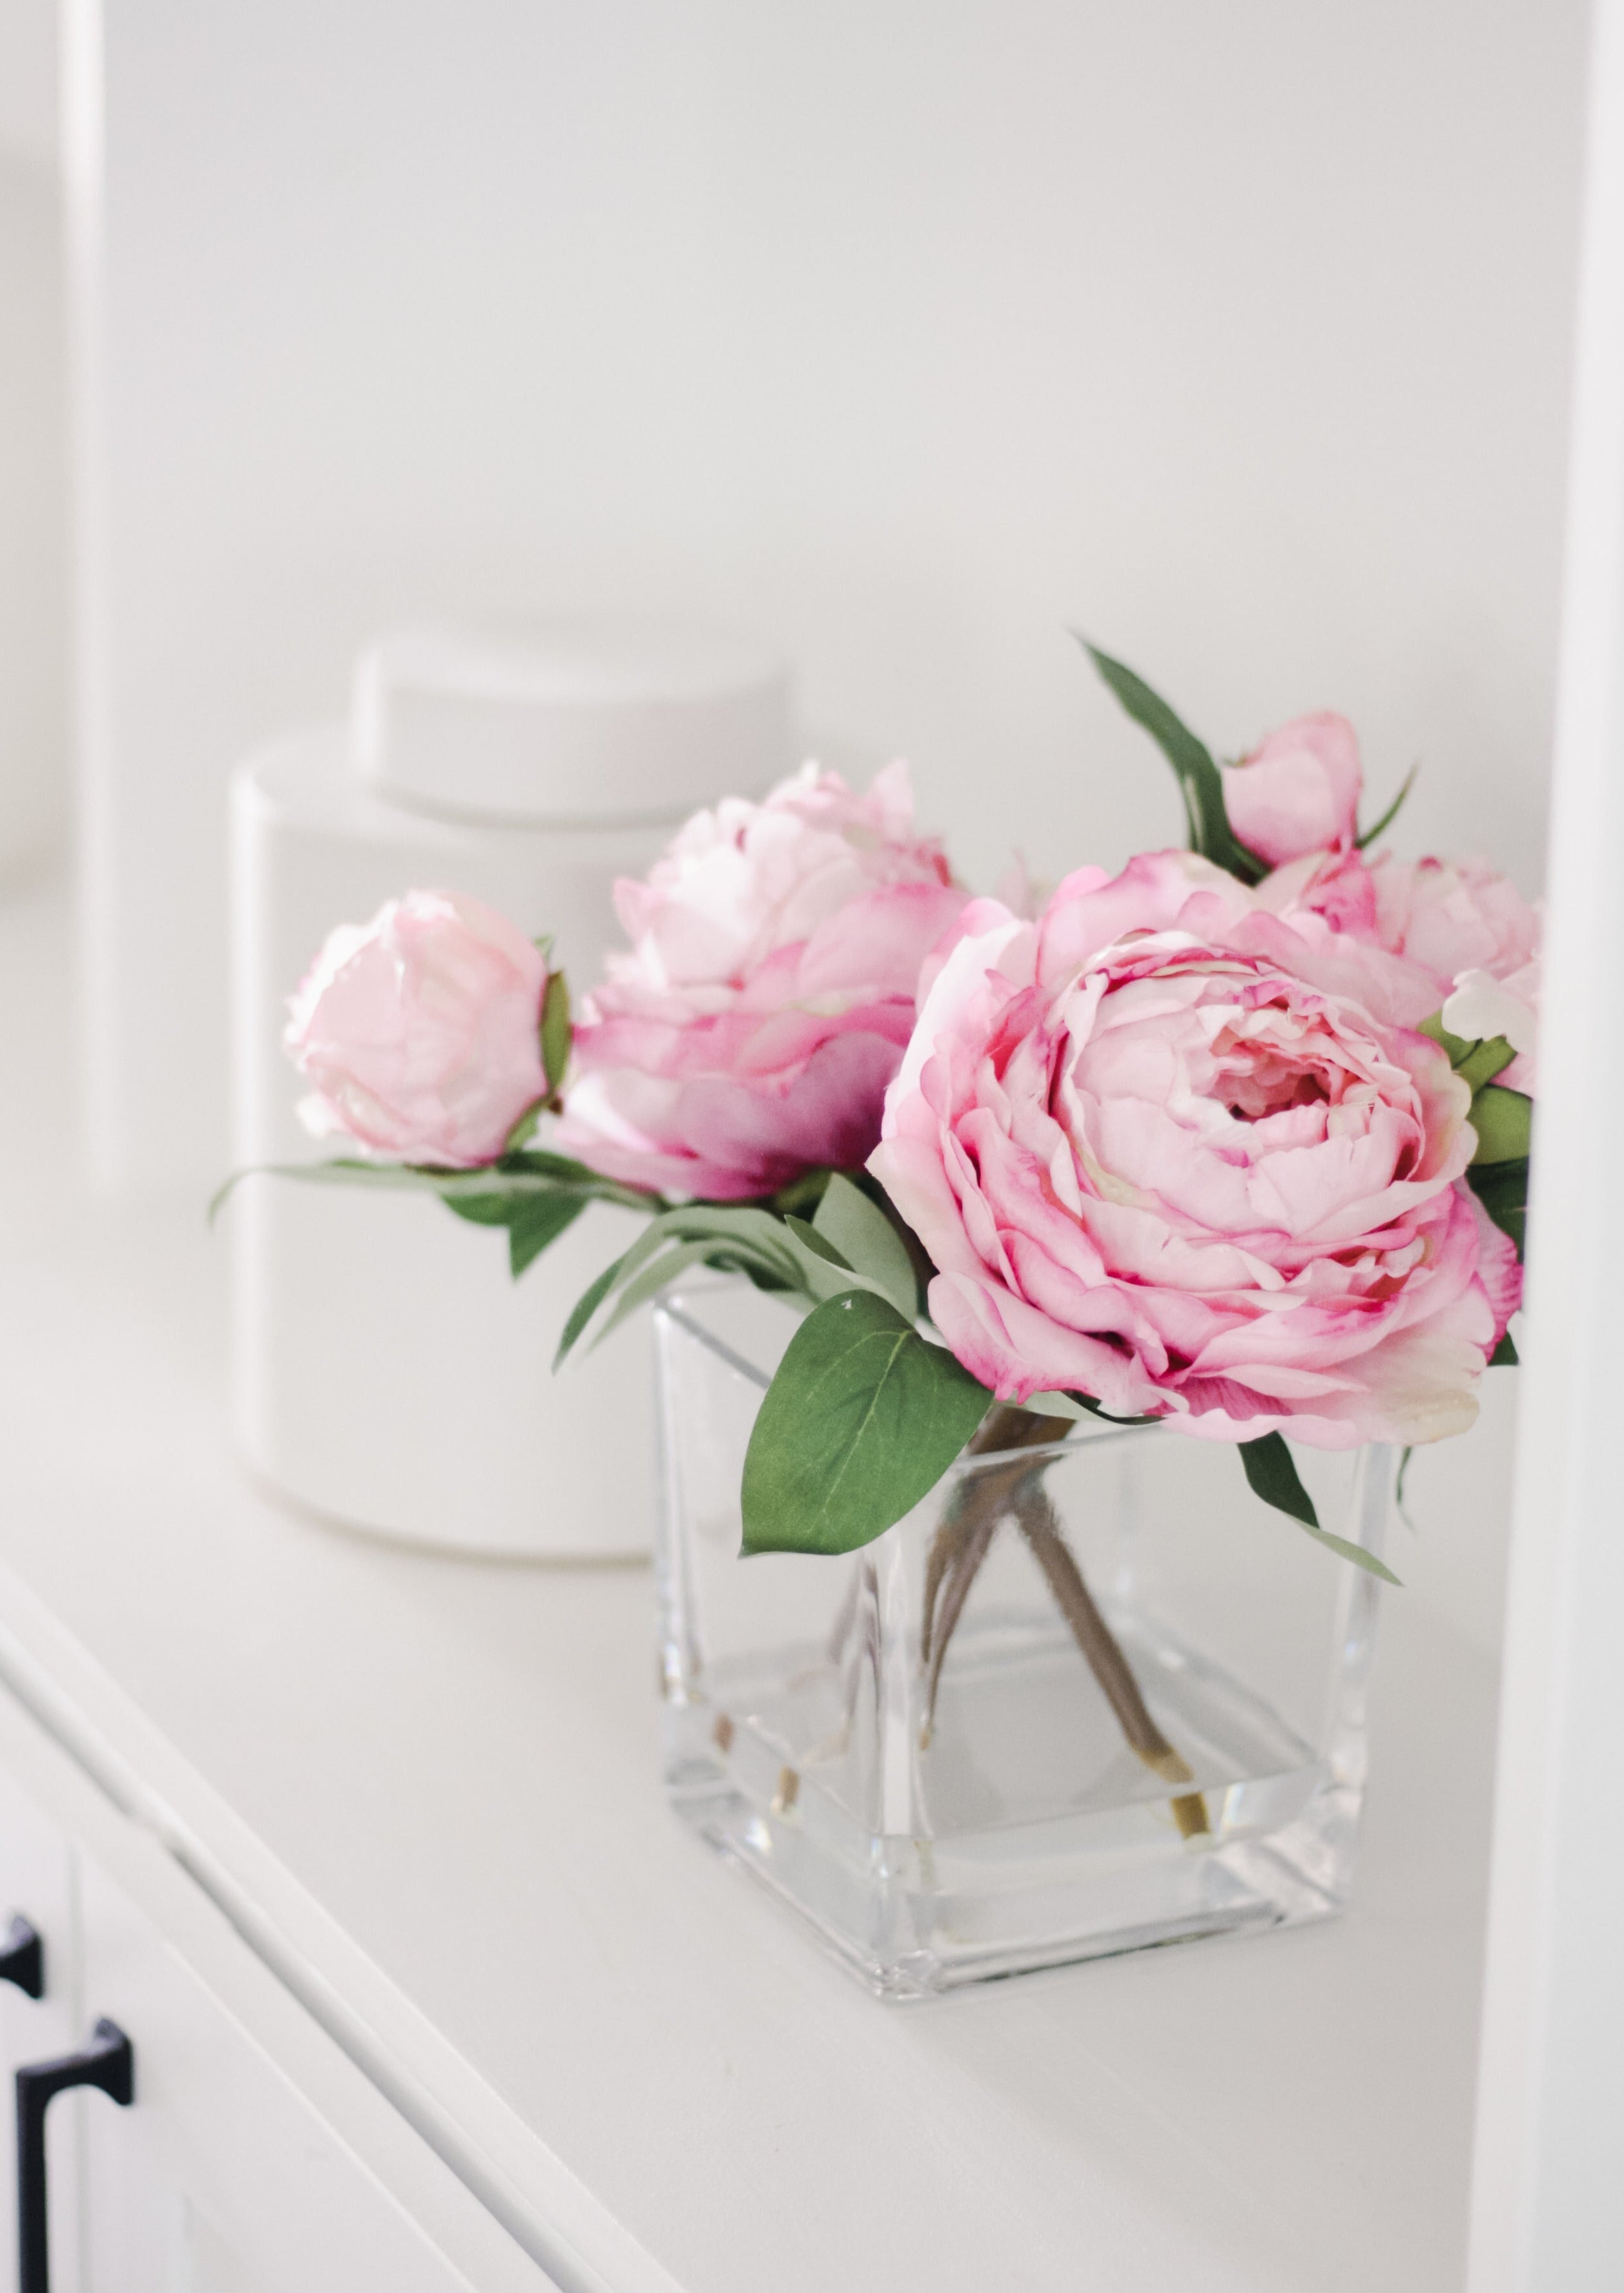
(255, 2158)
(36, 1880)
(223, 2177)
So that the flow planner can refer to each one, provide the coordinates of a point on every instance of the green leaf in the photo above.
(482, 1210)
(344, 1171)
(1080, 1406)
(521, 1132)
(809, 1238)
(1455, 1048)
(1271, 1470)
(542, 1163)
(1502, 1189)
(1504, 1122)
(862, 1420)
(652, 1279)
(802, 1195)
(819, 1265)
(1398, 1488)
(1392, 812)
(1059, 1405)
(723, 1221)
(539, 1221)
(738, 1237)
(1476, 1062)
(821, 1273)
(591, 1299)
(1504, 1355)
(351, 1171)
(1200, 781)
(866, 1238)
(618, 1276)
(1484, 1061)
(556, 1029)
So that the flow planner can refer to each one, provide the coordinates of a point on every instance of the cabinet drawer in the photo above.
(37, 1879)
(257, 2157)
(225, 2177)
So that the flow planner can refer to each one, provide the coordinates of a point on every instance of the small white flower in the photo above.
(1483, 1006)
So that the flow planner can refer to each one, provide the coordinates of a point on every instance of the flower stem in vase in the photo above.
(1041, 1527)
(965, 1533)
(960, 1545)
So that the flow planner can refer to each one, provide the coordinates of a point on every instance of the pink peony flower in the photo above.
(1176, 1152)
(1339, 887)
(1456, 924)
(1461, 917)
(1298, 792)
(1454, 916)
(750, 1032)
(420, 1031)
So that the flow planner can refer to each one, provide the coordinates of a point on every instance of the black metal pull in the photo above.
(109, 2061)
(22, 1958)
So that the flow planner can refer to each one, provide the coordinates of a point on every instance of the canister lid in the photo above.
(577, 719)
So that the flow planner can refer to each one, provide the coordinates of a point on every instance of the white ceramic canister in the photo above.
(389, 1374)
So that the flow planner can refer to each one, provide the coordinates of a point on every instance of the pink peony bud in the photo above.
(1298, 792)
(420, 1031)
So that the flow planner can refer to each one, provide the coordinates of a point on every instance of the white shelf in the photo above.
(426, 1791)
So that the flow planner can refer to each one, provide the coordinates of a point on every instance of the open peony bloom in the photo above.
(1173, 1151)
(420, 1031)
(750, 1032)
(1298, 792)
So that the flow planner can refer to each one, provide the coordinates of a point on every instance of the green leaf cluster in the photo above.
(1503, 1122)
(1502, 1189)
(850, 1244)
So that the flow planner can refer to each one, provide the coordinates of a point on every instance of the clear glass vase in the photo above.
(1088, 1697)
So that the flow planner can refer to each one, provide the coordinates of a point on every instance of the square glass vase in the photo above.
(1087, 1698)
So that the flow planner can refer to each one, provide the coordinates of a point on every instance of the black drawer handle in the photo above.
(22, 1958)
(109, 2061)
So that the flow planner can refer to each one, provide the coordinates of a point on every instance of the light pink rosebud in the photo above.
(421, 1031)
(1185, 1155)
(749, 1032)
(1298, 792)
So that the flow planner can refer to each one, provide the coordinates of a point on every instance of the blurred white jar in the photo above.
(389, 1374)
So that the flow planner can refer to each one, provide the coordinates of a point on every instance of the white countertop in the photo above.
(427, 1789)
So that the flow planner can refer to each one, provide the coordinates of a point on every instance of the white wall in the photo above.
(1550, 2128)
(28, 95)
(1235, 331)
(34, 771)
